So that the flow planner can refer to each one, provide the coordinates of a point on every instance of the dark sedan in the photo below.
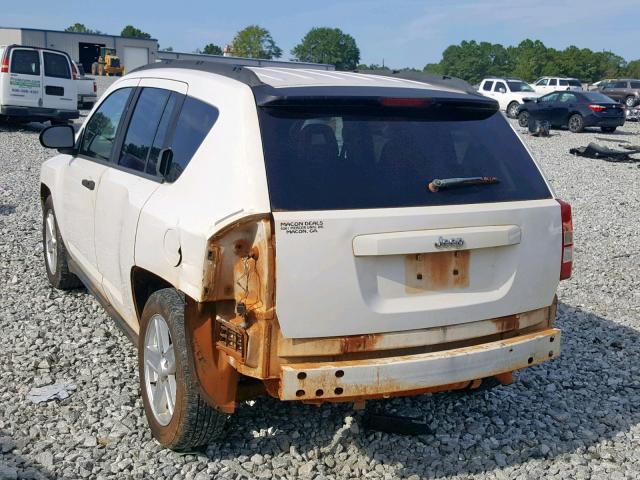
(575, 110)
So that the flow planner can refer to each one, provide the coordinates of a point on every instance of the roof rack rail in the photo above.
(433, 79)
(234, 71)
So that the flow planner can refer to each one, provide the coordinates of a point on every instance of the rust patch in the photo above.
(505, 378)
(358, 343)
(436, 271)
(506, 324)
(217, 379)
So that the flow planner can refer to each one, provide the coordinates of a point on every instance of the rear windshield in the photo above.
(597, 97)
(339, 160)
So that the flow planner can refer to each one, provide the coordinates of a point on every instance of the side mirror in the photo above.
(61, 137)
(166, 157)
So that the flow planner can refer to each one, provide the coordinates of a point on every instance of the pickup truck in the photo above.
(87, 90)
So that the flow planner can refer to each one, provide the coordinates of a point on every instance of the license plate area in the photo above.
(437, 271)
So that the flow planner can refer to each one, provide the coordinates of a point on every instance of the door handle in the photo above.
(90, 184)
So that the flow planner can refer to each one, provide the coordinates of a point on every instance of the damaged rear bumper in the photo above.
(412, 374)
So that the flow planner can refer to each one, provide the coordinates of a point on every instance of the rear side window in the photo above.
(575, 83)
(564, 83)
(487, 86)
(635, 84)
(344, 160)
(56, 65)
(553, 82)
(25, 62)
(100, 132)
(619, 84)
(500, 85)
(195, 120)
(143, 135)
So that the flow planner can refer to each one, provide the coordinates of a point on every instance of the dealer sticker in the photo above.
(308, 226)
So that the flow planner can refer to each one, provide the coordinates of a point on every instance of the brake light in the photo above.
(74, 71)
(597, 108)
(567, 240)
(4, 67)
(404, 102)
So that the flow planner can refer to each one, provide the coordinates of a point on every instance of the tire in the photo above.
(512, 109)
(59, 122)
(630, 101)
(576, 123)
(179, 418)
(608, 129)
(523, 119)
(54, 251)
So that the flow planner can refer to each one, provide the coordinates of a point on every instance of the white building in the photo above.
(84, 48)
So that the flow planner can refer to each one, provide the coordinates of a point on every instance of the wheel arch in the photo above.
(143, 284)
(45, 192)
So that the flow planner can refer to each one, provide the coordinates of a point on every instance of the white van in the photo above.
(314, 236)
(36, 85)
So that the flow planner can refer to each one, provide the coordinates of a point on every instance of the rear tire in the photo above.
(576, 123)
(55, 253)
(608, 129)
(512, 109)
(178, 417)
(523, 119)
(630, 101)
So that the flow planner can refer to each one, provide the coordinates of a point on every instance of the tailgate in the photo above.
(372, 271)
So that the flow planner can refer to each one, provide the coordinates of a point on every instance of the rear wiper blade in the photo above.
(439, 183)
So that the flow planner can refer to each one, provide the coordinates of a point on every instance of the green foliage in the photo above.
(373, 66)
(80, 28)
(633, 69)
(212, 49)
(328, 45)
(131, 31)
(255, 42)
(528, 60)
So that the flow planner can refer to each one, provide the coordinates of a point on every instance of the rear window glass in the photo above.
(597, 97)
(56, 65)
(635, 84)
(25, 62)
(575, 83)
(368, 160)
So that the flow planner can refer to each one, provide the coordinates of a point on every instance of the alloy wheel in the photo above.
(160, 369)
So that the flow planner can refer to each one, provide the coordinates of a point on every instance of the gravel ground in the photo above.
(576, 417)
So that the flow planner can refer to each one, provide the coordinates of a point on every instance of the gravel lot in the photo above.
(576, 417)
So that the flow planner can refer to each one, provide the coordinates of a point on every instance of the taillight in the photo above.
(74, 71)
(4, 67)
(597, 108)
(567, 240)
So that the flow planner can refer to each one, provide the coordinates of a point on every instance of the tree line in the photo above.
(529, 60)
(470, 60)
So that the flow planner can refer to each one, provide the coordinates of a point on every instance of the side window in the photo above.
(634, 84)
(100, 132)
(549, 98)
(144, 127)
(542, 82)
(56, 65)
(500, 85)
(25, 62)
(553, 82)
(487, 86)
(195, 120)
(567, 98)
(564, 83)
(620, 85)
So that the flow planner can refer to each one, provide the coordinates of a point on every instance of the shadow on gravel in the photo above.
(13, 465)
(32, 127)
(590, 394)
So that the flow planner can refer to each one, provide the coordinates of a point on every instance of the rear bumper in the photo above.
(87, 97)
(413, 374)
(37, 113)
(597, 121)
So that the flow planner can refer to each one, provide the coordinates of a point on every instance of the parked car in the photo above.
(551, 84)
(87, 89)
(319, 238)
(36, 85)
(626, 91)
(509, 92)
(575, 110)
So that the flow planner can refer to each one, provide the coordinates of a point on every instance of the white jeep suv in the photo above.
(509, 92)
(314, 236)
(546, 85)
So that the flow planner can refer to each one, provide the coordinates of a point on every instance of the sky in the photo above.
(402, 33)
